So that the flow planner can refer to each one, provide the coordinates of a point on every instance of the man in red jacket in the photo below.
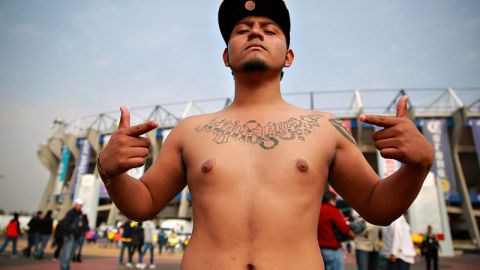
(330, 246)
(12, 232)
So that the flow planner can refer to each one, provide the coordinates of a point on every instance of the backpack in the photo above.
(12, 229)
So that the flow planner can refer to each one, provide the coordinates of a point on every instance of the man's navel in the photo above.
(207, 166)
(302, 165)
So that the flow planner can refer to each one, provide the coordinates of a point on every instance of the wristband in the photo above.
(106, 177)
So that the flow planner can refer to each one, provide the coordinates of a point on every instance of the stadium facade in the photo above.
(449, 118)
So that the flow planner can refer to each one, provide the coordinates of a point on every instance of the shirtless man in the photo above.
(257, 169)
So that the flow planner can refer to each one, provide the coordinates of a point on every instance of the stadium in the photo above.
(448, 117)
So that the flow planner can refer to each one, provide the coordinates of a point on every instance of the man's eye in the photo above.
(243, 31)
(269, 32)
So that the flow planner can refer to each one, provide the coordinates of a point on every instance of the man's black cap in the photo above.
(232, 11)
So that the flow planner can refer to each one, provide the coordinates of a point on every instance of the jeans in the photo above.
(77, 247)
(146, 247)
(40, 244)
(332, 258)
(124, 246)
(67, 251)
(14, 244)
(366, 260)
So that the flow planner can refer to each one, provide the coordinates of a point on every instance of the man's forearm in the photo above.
(132, 197)
(396, 193)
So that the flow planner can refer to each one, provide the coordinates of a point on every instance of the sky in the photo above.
(69, 59)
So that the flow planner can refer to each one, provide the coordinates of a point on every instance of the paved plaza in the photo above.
(99, 258)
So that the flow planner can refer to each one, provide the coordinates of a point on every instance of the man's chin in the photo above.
(255, 65)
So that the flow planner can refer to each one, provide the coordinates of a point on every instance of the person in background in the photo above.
(331, 220)
(398, 246)
(137, 243)
(45, 229)
(80, 239)
(429, 248)
(58, 239)
(186, 241)
(126, 242)
(72, 229)
(148, 233)
(162, 240)
(172, 242)
(33, 225)
(12, 232)
(367, 245)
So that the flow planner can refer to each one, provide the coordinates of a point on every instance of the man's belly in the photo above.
(202, 256)
(260, 228)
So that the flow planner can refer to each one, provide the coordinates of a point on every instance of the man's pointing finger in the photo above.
(377, 120)
(141, 129)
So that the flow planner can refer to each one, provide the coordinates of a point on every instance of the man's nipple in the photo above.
(207, 166)
(302, 165)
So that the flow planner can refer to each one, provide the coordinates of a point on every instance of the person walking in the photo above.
(429, 248)
(11, 235)
(137, 243)
(45, 229)
(161, 240)
(80, 239)
(331, 226)
(126, 242)
(398, 246)
(367, 246)
(58, 236)
(148, 234)
(33, 225)
(72, 227)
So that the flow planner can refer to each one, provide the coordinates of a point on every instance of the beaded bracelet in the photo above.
(106, 177)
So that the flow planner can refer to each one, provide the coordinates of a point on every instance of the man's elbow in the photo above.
(382, 219)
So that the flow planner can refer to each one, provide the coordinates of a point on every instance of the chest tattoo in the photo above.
(266, 136)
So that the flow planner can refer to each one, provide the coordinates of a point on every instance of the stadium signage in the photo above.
(435, 130)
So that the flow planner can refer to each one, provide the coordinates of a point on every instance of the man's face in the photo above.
(78, 207)
(257, 44)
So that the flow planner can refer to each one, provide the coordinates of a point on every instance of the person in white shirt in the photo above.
(398, 245)
(148, 232)
(367, 245)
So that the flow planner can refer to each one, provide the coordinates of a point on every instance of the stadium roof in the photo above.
(426, 102)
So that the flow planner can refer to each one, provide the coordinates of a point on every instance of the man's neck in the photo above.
(256, 91)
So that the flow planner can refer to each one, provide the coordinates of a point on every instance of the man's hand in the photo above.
(126, 149)
(400, 138)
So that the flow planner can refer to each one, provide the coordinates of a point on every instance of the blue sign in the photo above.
(82, 162)
(436, 132)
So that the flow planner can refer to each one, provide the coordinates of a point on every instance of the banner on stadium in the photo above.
(103, 190)
(436, 132)
(475, 125)
(386, 166)
(62, 170)
(425, 210)
(88, 187)
(82, 164)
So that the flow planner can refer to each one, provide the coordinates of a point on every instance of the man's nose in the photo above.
(255, 32)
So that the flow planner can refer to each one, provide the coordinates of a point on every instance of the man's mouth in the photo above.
(255, 47)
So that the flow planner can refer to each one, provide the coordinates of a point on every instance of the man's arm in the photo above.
(382, 201)
(141, 200)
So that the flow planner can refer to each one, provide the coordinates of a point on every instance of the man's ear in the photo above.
(225, 57)
(289, 58)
